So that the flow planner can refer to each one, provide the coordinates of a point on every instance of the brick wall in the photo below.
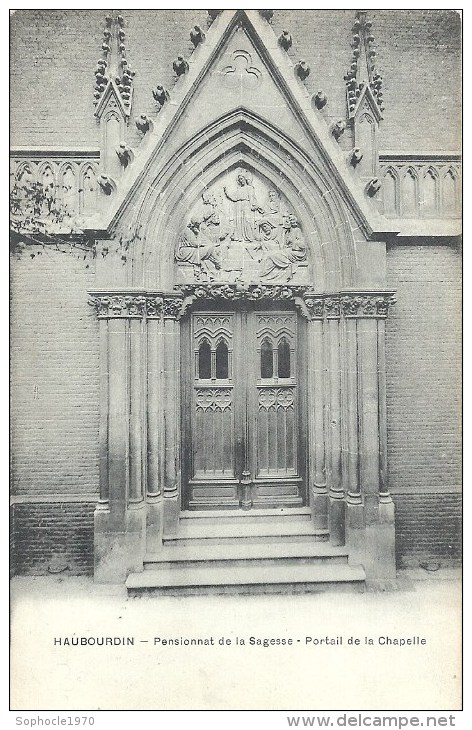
(428, 528)
(55, 375)
(54, 413)
(54, 55)
(54, 538)
(424, 398)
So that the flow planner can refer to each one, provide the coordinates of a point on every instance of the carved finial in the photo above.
(285, 40)
(302, 69)
(143, 123)
(267, 14)
(362, 70)
(161, 95)
(355, 156)
(106, 184)
(337, 129)
(320, 100)
(114, 65)
(124, 154)
(373, 187)
(197, 35)
(213, 14)
(180, 66)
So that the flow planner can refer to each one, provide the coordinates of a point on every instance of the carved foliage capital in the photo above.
(172, 306)
(332, 309)
(242, 291)
(151, 306)
(154, 307)
(367, 305)
(314, 306)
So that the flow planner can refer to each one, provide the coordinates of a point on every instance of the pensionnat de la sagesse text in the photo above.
(249, 641)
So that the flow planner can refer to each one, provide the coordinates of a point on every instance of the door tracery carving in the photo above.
(243, 429)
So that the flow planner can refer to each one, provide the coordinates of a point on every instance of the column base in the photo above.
(337, 520)
(119, 544)
(154, 523)
(171, 514)
(373, 545)
(319, 508)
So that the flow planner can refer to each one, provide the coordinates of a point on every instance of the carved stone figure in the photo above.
(272, 208)
(283, 250)
(241, 230)
(244, 205)
(194, 247)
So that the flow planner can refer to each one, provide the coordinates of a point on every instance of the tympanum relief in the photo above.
(242, 229)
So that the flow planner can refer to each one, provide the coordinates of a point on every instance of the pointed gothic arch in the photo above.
(449, 192)
(391, 191)
(410, 193)
(430, 190)
(209, 443)
(242, 138)
(68, 186)
(25, 172)
(87, 189)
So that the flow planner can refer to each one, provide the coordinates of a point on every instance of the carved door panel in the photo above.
(241, 412)
(274, 444)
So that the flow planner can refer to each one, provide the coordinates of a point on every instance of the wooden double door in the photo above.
(243, 411)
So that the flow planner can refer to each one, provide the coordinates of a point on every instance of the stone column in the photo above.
(103, 422)
(171, 400)
(155, 424)
(352, 487)
(336, 507)
(386, 506)
(370, 532)
(316, 437)
(120, 516)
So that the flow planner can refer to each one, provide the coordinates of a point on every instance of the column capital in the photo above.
(136, 304)
(345, 304)
(366, 304)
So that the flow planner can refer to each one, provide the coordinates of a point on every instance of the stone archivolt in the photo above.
(310, 305)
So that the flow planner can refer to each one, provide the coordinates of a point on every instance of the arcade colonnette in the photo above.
(235, 307)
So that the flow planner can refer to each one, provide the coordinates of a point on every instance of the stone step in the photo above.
(246, 579)
(238, 516)
(239, 553)
(295, 530)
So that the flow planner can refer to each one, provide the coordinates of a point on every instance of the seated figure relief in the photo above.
(233, 236)
(194, 247)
